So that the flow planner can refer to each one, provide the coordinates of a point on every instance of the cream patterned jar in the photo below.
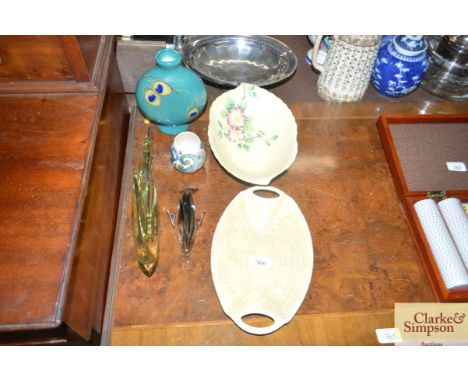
(345, 75)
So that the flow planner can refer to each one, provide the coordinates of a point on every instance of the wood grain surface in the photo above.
(45, 146)
(48, 291)
(52, 64)
(356, 328)
(364, 258)
(33, 58)
(85, 301)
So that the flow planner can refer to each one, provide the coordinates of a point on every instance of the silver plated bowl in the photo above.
(232, 60)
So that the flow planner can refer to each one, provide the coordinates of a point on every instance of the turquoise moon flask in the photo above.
(170, 94)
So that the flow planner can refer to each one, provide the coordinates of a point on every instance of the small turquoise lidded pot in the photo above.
(170, 94)
(187, 152)
(400, 66)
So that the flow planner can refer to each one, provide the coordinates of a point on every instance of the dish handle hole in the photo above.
(258, 320)
(266, 194)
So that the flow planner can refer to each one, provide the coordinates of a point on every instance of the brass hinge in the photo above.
(436, 195)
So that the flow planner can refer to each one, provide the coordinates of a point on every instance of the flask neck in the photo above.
(168, 58)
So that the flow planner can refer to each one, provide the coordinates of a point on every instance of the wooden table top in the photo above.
(45, 147)
(364, 258)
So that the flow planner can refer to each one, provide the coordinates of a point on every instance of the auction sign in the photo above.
(432, 324)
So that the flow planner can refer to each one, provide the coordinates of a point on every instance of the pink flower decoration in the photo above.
(236, 118)
(236, 134)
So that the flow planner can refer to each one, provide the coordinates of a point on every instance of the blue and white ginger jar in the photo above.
(400, 66)
(386, 38)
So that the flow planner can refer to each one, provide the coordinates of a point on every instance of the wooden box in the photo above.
(418, 148)
(50, 64)
(134, 58)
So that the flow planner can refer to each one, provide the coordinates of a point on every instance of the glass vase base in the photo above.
(173, 129)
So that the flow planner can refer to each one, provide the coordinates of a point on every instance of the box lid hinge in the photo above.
(436, 195)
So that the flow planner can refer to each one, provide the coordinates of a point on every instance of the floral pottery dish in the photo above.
(187, 152)
(252, 133)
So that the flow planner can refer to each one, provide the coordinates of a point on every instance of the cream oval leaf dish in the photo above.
(262, 258)
(253, 134)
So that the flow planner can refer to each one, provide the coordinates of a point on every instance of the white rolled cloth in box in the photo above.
(444, 250)
(457, 222)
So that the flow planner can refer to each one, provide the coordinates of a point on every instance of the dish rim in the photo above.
(200, 41)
